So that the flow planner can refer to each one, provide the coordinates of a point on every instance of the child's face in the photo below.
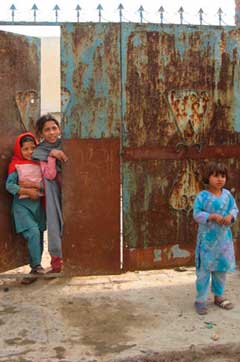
(217, 181)
(27, 150)
(50, 132)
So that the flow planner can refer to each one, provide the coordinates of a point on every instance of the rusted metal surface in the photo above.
(20, 75)
(90, 76)
(91, 207)
(181, 107)
(181, 152)
(91, 109)
(166, 256)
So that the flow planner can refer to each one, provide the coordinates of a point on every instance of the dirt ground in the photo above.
(141, 316)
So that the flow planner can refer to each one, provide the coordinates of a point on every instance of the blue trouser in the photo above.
(203, 282)
(34, 239)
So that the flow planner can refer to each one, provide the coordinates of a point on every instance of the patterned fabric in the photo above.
(203, 281)
(214, 250)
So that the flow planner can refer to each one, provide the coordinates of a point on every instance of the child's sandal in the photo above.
(224, 304)
(201, 308)
(29, 280)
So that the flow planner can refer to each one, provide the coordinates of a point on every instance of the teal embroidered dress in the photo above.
(214, 250)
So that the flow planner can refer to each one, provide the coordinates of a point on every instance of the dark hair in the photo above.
(27, 139)
(42, 120)
(214, 168)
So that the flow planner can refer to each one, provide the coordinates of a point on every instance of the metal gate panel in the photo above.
(91, 108)
(180, 108)
(90, 73)
(91, 210)
(20, 106)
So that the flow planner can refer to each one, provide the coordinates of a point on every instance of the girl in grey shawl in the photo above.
(50, 155)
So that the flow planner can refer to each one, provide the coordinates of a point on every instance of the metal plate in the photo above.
(20, 106)
(181, 107)
(90, 76)
(91, 207)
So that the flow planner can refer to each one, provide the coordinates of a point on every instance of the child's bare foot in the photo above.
(223, 303)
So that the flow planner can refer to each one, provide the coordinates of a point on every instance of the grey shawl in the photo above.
(53, 199)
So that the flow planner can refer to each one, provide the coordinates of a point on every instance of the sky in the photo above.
(89, 12)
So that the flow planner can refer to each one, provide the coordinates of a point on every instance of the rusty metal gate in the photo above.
(181, 95)
(170, 94)
(90, 58)
(164, 100)
(20, 106)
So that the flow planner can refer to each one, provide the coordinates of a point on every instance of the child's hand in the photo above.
(216, 217)
(59, 155)
(32, 193)
(29, 184)
(227, 220)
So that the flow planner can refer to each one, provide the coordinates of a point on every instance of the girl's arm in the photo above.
(234, 209)
(12, 183)
(233, 212)
(59, 155)
(199, 215)
(48, 168)
(14, 189)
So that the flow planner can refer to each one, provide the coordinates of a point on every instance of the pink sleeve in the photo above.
(49, 168)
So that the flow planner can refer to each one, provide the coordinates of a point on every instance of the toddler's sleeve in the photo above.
(199, 214)
(12, 183)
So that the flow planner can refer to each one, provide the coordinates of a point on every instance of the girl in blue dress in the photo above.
(214, 210)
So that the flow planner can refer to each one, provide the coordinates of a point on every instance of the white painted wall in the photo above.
(50, 75)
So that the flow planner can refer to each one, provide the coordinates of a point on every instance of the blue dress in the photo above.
(214, 250)
(27, 213)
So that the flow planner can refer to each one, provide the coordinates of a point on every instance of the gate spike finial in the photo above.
(56, 9)
(13, 8)
(78, 9)
(34, 8)
(201, 15)
(161, 11)
(181, 11)
(99, 8)
(220, 12)
(120, 8)
(141, 10)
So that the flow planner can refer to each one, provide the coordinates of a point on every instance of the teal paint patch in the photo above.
(157, 255)
(177, 252)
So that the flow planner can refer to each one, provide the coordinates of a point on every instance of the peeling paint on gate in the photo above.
(180, 107)
(91, 75)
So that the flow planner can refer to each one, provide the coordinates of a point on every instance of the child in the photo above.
(214, 210)
(50, 155)
(27, 210)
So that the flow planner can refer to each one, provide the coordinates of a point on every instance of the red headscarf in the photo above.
(17, 158)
